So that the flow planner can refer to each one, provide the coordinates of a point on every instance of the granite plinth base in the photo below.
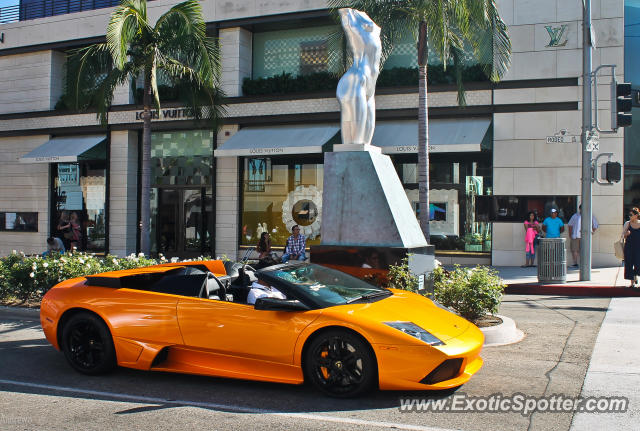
(371, 263)
(365, 204)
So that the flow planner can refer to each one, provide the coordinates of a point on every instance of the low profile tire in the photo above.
(340, 364)
(87, 344)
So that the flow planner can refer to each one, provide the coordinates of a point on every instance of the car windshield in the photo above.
(327, 286)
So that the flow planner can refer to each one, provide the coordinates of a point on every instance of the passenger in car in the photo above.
(260, 289)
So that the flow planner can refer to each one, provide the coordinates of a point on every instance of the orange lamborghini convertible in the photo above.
(286, 323)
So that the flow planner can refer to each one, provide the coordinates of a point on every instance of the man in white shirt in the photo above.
(260, 289)
(575, 226)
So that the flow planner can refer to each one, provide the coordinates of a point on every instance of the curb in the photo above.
(568, 290)
(500, 335)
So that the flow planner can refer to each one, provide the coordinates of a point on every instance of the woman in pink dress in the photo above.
(531, 229)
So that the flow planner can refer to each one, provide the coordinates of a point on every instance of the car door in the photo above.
(240, 330)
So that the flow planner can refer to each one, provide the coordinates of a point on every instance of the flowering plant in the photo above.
(30, 277)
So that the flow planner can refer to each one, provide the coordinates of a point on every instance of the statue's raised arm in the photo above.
(356, 88)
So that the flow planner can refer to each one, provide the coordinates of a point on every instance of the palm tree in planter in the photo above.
(448, 28)
(176, 48)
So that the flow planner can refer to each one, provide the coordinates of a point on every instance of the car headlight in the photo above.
(414, 330)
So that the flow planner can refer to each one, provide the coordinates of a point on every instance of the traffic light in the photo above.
(612, 172)
(621, 105)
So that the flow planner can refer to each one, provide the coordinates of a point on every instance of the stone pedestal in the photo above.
(365, 211)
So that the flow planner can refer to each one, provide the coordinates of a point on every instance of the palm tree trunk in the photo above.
(145, 177)
(423, 133)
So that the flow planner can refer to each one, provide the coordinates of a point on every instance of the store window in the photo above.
(516, 208)
(182, 158)
(457, 180)
(278, 193)
(79, 196)
(296, 52)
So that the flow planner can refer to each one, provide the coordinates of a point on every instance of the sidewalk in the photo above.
(607, 282)
(613, 369)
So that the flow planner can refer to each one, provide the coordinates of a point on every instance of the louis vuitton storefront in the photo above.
(282, 186)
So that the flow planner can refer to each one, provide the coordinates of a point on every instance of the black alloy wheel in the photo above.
(340, 364)
(87, 344)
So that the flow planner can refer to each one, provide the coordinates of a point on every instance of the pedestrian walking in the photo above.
(631, 236)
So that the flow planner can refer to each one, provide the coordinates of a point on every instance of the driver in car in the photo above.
(260, 289)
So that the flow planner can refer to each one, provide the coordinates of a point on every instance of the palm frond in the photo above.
(87, 68)
(153, 82)
(396, 18)
(103, 94)
(195, 50)
(457, 65)
(128, 21)
(491, 43)
(185, 17)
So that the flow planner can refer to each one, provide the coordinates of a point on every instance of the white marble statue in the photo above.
(357, 86)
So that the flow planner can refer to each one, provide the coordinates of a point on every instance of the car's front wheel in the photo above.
(87, 344)
(340, 364)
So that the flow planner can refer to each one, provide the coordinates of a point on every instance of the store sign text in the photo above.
(556, 34)
(167, 114)
(266, 150)
(410, 148)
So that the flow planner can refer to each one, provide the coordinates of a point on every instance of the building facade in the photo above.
(215, 192)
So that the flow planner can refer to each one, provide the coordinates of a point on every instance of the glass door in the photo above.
(181, 224)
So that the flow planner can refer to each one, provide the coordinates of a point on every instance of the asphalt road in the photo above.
(38, 390)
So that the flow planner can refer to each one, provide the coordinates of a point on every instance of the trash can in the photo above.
(552, 260)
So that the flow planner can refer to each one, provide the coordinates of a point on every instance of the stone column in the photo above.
(227, 198)
(123, 192)
(236, 52)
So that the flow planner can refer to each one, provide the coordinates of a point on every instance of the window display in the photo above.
(280, 192)
(79, 195)
(456, 182)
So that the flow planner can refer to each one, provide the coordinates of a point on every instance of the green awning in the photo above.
(69, 149)
(445, 135)
(279, 140)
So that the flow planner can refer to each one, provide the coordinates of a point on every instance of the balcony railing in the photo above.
(32, 9)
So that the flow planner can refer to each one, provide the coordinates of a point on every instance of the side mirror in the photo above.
(277, 304)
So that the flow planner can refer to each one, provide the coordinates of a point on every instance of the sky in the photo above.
(4, 3)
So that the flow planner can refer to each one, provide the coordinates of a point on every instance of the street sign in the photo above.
(593, 141)
(592, 146)
(561, 139)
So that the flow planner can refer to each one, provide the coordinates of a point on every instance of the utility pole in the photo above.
(585, 214)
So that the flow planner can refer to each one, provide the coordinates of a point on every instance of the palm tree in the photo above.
(446, 27)
(176, 48)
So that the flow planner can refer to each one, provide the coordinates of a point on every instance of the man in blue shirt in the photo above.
(553, 226)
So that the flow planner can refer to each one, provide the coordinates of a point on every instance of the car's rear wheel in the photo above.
(87, 344)
(340, 364)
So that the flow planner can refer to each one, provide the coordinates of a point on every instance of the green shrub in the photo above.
(286, 83)
(471, 292)
(30, 277)
(401, 278)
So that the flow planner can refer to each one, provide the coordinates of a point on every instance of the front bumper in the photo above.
(403, 367)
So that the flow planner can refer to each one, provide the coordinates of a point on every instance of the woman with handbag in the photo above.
(531, 233)
(631, 236)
